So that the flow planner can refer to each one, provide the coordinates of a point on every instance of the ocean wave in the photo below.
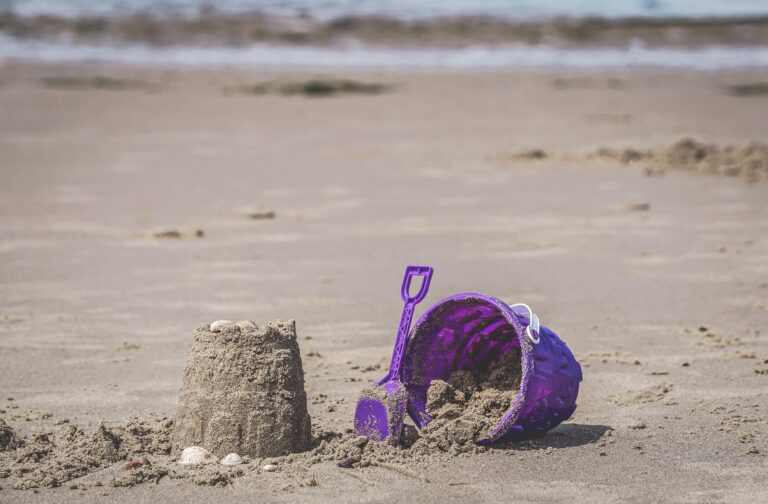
(475, 57)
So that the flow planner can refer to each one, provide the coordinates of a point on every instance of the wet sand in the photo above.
(658, 283)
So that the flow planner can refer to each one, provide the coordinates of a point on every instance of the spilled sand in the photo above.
(748, 161)
(657, 283)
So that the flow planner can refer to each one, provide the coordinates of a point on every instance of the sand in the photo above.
(7, 436)
(228, 362)
(96, 314)
(467, 406)
(58, 457)
(243, 392)
(749, 161)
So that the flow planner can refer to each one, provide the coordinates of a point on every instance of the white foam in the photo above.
(707, 58)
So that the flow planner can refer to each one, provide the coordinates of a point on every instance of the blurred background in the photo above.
(487, 33)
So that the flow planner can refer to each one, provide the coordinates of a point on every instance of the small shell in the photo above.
(246, 325)
(231, 459)
(269, 468)
(218, 325)
(195, 455)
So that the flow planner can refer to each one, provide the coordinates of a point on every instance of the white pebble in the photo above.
(231, 459)
(269, 468)
(196, 455)
(218, 325)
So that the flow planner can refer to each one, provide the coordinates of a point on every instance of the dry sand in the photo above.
(659, 284)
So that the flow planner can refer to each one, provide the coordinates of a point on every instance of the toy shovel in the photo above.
(381, 409)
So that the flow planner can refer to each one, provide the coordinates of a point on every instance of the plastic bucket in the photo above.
(470, 331)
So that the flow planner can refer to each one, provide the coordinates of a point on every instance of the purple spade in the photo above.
(381, 410)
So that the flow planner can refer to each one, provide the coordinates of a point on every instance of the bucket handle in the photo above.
(533, 326)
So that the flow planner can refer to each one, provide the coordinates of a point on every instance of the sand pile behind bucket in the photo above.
(243, 392)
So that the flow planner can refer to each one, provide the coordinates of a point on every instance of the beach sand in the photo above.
(659, 284)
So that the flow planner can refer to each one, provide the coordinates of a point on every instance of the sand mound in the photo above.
(243, 392)
(118, 456)
(749, 161)
(52, 459)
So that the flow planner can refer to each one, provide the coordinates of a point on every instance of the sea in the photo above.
(402, 9)
(706, 56)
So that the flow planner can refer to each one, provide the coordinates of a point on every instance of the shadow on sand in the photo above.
(563, 436)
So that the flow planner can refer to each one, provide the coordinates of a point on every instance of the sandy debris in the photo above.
(174, 233)
(530, 154)
(749, 161)
(7, 436)
(262, 215)
(51, 459)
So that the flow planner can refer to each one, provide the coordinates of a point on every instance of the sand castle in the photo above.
(243, 391)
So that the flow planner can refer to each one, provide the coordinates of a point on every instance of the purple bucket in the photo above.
(471, 331)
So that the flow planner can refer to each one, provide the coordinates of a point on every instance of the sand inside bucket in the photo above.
(468, 405)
